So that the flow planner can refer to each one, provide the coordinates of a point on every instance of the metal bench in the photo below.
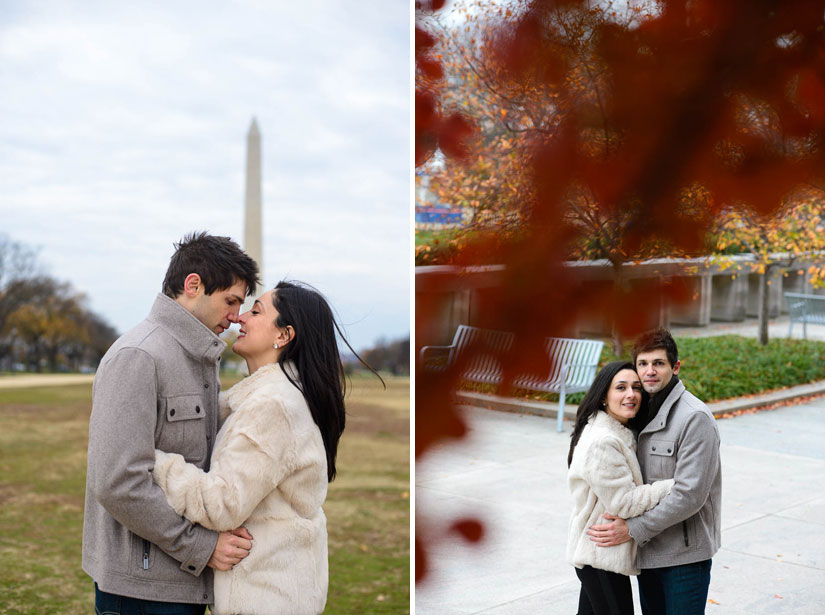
(805, 309)
(573, 361)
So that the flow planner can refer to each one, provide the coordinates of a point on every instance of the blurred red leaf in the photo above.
(423, 41)
(454, 135)
(469, 529)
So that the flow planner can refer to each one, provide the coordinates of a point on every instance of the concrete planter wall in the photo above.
(456, 295)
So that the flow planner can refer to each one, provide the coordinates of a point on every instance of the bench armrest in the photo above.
(422, 354)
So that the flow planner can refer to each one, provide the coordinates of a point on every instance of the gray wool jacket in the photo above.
(680, 442)
(156, 387)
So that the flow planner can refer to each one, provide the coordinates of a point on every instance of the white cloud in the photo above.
(123, 127)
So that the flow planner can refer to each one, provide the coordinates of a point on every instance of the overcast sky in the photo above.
(123, 127)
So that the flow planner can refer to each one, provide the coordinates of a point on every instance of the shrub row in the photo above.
(726, 366)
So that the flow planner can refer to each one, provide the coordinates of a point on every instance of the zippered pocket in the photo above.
(146, 554)
(685, 533)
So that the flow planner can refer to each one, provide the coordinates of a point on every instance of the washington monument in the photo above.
(252, 232)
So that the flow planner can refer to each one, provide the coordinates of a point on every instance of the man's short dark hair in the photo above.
(219, 262)
(657, 339)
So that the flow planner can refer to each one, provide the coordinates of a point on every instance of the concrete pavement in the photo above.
(510, 472)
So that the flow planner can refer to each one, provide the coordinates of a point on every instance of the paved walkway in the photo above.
(20, 381)
(777, 327)
(511, 473)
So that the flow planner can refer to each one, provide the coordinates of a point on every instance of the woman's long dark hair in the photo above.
(594, 398)
(315, 355)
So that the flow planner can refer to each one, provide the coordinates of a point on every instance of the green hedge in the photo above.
(725, 366)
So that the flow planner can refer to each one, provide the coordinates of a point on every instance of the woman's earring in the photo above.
(275, 345)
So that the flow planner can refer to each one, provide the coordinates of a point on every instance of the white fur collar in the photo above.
(602, 420)
(269, 372)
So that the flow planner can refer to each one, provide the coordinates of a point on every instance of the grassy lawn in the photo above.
(43, 441)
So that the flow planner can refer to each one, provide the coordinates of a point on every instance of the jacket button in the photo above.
(198, 410)
(654, 448)
(214, 343)
(206, 596)
(172, 412)
(191, 567)
(205, 385)
(668, 450)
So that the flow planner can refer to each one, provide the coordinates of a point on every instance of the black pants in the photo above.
(604, 593)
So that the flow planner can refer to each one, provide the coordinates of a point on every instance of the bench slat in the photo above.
(572, 370)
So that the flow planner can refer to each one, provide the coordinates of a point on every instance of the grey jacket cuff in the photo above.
(634, 528)
(201, 552)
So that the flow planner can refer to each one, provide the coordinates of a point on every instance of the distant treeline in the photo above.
(389, 356)
(45, 323)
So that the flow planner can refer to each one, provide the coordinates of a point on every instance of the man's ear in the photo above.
(193, 285)
(676, 367)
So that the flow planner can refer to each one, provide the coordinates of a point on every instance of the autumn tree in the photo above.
(793, 235)
(392, 356)
(49, 321)
(568, 86)
(659, 139)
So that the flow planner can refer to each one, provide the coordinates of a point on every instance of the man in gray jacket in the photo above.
(157, 387)
(679, 439)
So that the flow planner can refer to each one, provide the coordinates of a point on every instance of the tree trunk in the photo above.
(617, 340)
(764, 295)
(51, 356)
(620, 286)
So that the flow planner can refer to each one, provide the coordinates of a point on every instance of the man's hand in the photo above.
(232, 547)
(609, 534)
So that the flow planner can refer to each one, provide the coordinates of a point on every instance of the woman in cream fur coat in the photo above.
(273, 457)
(604, 477)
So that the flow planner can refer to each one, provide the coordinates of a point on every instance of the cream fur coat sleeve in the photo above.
(250, 466)
(607, 471)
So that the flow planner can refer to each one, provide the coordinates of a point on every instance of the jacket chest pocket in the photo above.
(662, 458)
(183, 428)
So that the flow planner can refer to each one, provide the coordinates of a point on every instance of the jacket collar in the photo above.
(188, 331)
(659, 421)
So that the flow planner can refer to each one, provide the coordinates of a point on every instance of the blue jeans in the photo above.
(675, 590)
(112, 604)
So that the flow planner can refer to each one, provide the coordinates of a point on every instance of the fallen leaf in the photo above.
(712, 601)
(778, 596)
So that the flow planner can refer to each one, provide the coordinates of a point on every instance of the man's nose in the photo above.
(233, 316)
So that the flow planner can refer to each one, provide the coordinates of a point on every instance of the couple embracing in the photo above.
(185, 486)
(645, 475)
